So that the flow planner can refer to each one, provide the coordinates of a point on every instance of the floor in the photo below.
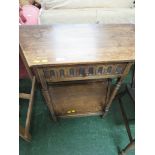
(75, 136)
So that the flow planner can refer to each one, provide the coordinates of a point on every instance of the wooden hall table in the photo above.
(75, 64)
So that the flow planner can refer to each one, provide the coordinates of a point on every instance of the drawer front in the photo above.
(83, 72)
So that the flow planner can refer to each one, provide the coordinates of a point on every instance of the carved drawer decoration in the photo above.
(83, 72)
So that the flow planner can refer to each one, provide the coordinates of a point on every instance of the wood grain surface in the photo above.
(77, 44)
(79, 99)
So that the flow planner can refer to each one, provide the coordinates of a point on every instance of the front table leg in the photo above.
(49, 103)
(46, 93)
(114, 92)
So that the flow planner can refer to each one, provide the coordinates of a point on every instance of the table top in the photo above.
(77, 44)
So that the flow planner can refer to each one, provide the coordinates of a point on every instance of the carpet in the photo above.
(75, 136)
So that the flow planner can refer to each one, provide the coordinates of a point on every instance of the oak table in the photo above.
(75, 64)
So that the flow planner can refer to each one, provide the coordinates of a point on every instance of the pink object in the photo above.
(31, 14)
(22, 70)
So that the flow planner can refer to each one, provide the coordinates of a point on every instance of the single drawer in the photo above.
(83, 72)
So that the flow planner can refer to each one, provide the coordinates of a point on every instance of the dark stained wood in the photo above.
(81, 115)
(29, 72)
(29, 112)
(46, 92)
(46, 72)
(77, 44)
(78, 99)
(55, 52)
(24, 96)
(49, 103)
(24, 131)
(42, 79)
(108, 92)
(126, 71)
(112, 96)
(125, 120)
(22, 134)
(130, 90)
(116, 88)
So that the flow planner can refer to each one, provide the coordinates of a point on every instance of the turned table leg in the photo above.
(116, 88)
(114, 92)
(46, 93)
(49, 103)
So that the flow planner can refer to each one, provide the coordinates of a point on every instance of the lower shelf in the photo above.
(77, 100)
(81, 115)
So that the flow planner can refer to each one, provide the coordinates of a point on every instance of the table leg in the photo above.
(116, 88)
(49, 103)
(46, 93)
(114, 92)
